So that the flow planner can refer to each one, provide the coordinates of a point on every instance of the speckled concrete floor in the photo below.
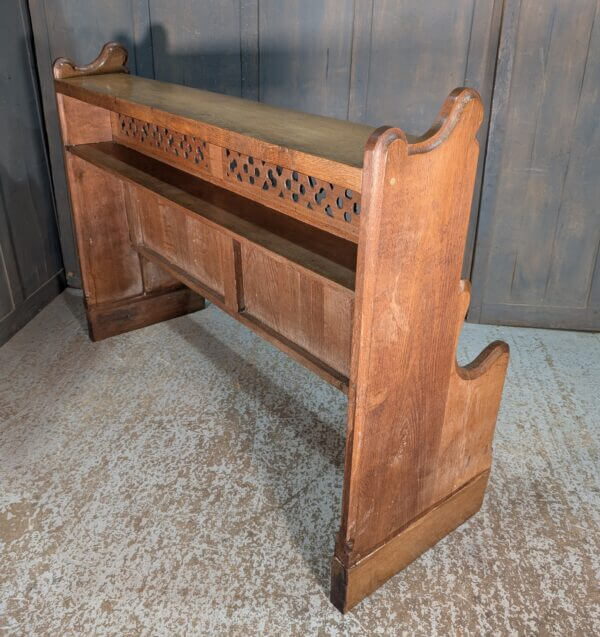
(186, 479)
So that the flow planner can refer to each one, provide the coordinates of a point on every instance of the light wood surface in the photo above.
(350, 586)
(337, 140)
(323, 147)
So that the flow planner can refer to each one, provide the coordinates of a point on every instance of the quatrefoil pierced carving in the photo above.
(186, 147)
(298, 189)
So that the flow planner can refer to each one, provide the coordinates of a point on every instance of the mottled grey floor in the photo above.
(186, 479)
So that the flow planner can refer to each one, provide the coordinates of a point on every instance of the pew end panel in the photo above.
(420, 427)
(122, 290)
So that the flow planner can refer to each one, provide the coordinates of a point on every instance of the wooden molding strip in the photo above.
(110, 319)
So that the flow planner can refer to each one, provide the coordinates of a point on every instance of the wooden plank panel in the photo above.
(305, 52)
(538, 246)
(13, 291)
(6, 301)
(418, 54)
(249, 48)
(30, 259)
(26, 310)
(552, 48)
(30, 240)
(480, 72)
(300, 307)
(197, 43)
(79, 32)
(493, 154)
(182, 240)
(417, 57)
(594, 298)
(110, 267)
(72, 29)
(577, 233)
(110, 319)
(419, 426)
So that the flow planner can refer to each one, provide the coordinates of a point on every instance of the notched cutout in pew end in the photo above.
(489, 357)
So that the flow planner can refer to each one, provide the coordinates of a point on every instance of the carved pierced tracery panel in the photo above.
(277, 186)
(293, 187)
(186, 147)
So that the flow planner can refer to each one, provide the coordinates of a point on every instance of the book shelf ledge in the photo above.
(330, 258)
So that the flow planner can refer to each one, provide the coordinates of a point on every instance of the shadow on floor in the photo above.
(315, 545)
(73, 299)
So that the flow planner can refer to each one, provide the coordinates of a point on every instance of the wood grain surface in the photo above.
(419, 427)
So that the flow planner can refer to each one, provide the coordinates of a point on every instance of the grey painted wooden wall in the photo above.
(30, 261)
(537, 247)
(534, 228)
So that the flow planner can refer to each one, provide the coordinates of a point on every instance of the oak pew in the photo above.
(339, 243)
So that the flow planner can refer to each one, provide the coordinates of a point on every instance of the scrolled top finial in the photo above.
(461, 103)
(112, 59)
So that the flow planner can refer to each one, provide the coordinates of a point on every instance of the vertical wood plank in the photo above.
(553, 42)
(537, 245)
(594, 297)
(417, 57)
(481, 65)
(231, 266)
(249, 53)
(110, 267)
(28, 233)
(143, 59)
(7, 267)
(574, 253)
(493, 154)
(6, 302)
(315, 316)
(68, 28)
(30, 259)
(13, 290)
(305, 52)
(197, 43)
(361, 60)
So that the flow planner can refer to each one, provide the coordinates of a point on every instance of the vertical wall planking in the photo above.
(197, 43)
(30, 260)
(78, 31)
(305, 53)
(537, 257)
